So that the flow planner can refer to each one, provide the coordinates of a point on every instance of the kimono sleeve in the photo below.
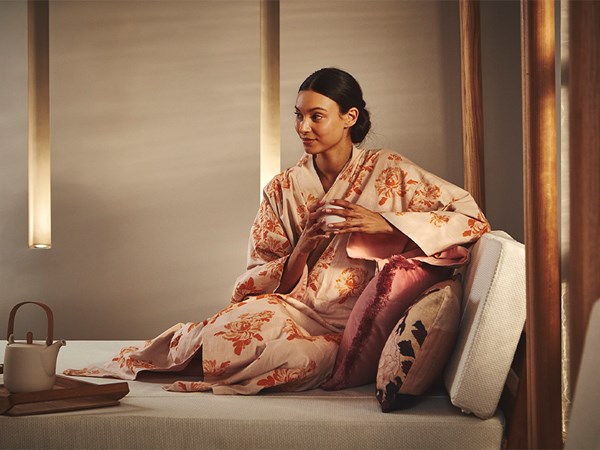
(268, 250)
(439, 218)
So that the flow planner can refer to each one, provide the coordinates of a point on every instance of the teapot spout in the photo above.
(50, 355)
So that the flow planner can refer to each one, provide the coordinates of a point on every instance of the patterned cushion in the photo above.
(378, 308)
(419, 346)
(492, 319)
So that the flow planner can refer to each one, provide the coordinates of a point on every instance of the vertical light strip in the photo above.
(39, 124)
(472, 101)
(270, 141)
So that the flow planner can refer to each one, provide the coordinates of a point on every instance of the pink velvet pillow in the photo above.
(379, 307)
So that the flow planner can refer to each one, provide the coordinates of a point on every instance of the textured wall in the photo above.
(154, 131)
(405, 55)
(154, 110)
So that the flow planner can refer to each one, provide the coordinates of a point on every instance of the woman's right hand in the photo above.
(311, 237)
(313, 232)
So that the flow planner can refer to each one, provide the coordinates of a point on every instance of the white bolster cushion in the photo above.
(492, 319)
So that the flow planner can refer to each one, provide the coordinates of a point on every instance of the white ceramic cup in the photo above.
(331, 218)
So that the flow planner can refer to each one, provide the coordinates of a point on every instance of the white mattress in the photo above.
(150, 417)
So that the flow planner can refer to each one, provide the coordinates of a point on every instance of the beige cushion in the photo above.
(584, 428)
(493, 315)
(419, 346)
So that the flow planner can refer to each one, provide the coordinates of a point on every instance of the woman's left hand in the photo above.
(358, 219)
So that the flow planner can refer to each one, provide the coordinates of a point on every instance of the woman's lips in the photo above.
(307, 141)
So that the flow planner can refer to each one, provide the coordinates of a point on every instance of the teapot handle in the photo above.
(49, 315)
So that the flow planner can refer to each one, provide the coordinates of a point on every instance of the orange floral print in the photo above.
(356, 185)
(286, 376)
(268, 238)
(322, 265)
(245, 329)
(286, 182)
(226, 311)
(175, 342)
(477, 227)
(245, 288)
(190, 386)
(273, 189)
(193, 325)
(273, 269)
(82, 372)
(272, 299)
(350, 283)
(392, 182)
(303, 161)
(211, 369)
(124, 359)
(294, 332)
(134, 363)
(438, 220)
(302, 211)
(425, 197)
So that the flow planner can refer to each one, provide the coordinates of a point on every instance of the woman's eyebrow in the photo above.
(316, 108)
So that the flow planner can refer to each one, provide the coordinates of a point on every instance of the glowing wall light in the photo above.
(269, 91)
(39, 124)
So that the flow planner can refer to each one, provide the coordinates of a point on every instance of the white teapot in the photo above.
(30, 367)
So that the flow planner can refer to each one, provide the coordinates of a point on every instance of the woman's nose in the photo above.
(303, 126)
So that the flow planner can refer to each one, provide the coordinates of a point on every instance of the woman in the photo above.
(290, 307)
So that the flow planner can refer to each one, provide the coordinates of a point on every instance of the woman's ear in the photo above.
(350, 117)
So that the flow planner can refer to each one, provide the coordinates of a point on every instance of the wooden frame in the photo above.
(543, 324)
(532, 397)
(472, 101)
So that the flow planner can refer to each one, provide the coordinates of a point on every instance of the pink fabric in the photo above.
(381, 304)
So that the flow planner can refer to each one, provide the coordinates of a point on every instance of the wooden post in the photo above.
(584, 160)
(541, 225)
(270, 159)
(472, 103)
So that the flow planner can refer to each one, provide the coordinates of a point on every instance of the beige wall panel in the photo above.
(501, 73)
(155, 141)
(154, 131)
(406, 57)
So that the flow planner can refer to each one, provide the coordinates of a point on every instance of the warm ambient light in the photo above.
(39, 124)
(270, 164)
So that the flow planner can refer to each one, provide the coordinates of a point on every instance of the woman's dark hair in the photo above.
(342, 88)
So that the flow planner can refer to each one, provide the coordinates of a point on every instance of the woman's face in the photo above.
(320, 124)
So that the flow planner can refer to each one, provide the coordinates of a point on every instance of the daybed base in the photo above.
(150, 417)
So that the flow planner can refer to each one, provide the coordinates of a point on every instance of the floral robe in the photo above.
(289, 342)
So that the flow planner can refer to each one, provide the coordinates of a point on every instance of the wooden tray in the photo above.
(68, 394)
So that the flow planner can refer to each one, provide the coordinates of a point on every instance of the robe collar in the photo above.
(313, 183)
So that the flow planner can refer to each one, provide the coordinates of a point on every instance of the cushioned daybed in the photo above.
(461, 414)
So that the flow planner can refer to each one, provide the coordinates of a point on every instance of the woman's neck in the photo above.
(328, 165)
